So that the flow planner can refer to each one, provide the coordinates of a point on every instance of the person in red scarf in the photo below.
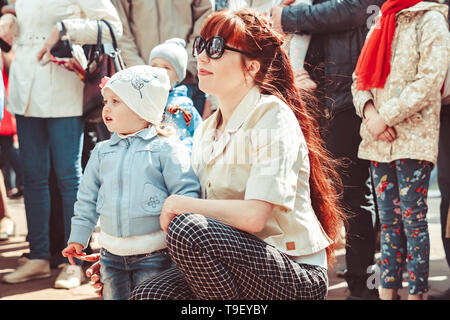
(338, 30)
(396, 90)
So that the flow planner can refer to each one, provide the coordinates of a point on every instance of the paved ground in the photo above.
(43, 289)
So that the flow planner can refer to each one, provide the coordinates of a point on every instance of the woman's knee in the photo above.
(186, 230)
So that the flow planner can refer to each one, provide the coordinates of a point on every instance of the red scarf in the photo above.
(374, 65)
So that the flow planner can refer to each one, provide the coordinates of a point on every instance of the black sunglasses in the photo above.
(214, 46)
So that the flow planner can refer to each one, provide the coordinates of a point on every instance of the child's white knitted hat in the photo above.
(143, 89)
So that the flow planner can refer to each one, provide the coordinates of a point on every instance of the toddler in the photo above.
(180, 110)
(127, 180)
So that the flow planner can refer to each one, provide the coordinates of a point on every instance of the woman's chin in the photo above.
(206, 87)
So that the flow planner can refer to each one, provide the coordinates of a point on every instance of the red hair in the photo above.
(251, 32)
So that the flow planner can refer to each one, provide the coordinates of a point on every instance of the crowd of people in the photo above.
(237, 143)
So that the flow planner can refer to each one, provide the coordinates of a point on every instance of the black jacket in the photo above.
(338, 29)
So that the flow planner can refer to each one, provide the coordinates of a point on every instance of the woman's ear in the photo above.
(253, 67)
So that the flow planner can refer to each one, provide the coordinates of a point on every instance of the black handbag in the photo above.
(104, 60)
(63, 48)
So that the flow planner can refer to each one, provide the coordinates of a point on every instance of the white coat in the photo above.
(50, 91)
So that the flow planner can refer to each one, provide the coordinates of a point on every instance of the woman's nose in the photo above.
(203, 57)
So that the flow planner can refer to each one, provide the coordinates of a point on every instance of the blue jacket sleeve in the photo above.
(177, 171)
(85, 214)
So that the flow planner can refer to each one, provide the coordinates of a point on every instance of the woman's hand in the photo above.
(8, 9)
(172, 207)
(52, 39)
(275, 14)
(275, 19)
(8, 28)
(73, 250)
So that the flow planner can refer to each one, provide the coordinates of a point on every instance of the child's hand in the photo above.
(287, 2)
(388, 135)
(373, 121)
(93, 272)
(73, 250)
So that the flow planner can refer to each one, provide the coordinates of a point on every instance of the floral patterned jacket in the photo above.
(410, 101)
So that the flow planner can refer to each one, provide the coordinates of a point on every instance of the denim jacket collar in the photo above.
(145, 134)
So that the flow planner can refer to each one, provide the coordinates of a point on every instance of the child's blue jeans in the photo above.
(401, 189)
(120, 274)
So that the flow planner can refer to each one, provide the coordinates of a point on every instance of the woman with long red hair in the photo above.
(269, 214)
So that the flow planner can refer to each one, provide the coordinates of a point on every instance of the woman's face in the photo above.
(221, 76)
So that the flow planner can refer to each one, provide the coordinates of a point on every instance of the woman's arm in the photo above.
(246, 215)
(326, 17)
(127, 43)
(8, 28)
(84, 30)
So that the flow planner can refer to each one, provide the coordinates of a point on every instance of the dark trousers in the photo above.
(341, 135)
(93, 133)
(215, 261)
(444, 174)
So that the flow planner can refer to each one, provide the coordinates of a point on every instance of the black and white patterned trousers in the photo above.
(216, 261)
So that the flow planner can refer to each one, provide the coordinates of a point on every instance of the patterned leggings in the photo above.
(401, 189)
(216, 261)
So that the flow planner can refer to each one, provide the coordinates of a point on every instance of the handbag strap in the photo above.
(113, 35)
(94, 55)
(118, 63)
(99, 39)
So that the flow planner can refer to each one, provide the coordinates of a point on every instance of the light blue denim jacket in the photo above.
(126, 182)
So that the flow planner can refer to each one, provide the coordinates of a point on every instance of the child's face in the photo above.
(164, 64)
(118, 117)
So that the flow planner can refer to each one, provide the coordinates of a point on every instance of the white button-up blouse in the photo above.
(262, 155)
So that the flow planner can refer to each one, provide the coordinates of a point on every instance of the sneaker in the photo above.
(440, 296)
(16, 195)
(69, 277)
(7, 228)
(32, 269)
(23, 259)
